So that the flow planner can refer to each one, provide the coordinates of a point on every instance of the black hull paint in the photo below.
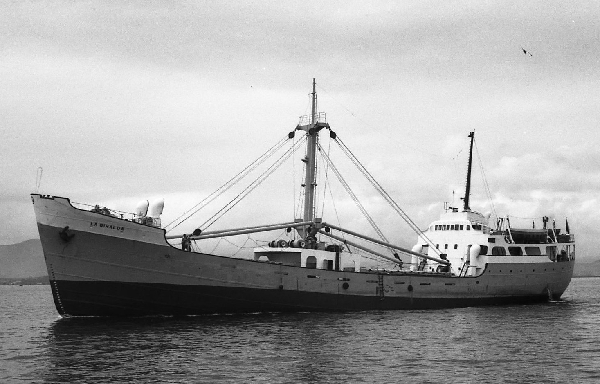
(77, 298)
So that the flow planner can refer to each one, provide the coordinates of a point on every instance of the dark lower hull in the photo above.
(77, 298)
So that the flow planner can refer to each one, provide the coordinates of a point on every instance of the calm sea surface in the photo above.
(548, 343)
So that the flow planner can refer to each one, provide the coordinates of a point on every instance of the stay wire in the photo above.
(259, 180)
(226, 186)
(326, 179)
(383, 193)
(485, 182)
(354, 197)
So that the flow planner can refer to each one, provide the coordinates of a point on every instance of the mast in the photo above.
(311, 163)
(468, 188)
(312, 126)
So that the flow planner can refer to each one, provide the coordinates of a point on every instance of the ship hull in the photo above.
(105, 266)
(76, 298)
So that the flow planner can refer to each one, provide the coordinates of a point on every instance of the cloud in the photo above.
(119, 102)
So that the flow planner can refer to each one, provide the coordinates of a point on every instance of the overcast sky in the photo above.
(119, 101)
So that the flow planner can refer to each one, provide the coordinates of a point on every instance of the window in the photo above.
(515, 251)
(455, 246)
(461, 227)
(437, 246)
(499, 251)
(491, 240)
(468, 227)
(477, 227)
(445, 246)
(532, 251)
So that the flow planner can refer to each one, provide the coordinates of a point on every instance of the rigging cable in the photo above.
(223, 188)
(337, 216)
(384, 194)
(353, 195)
(485, 183)
(233, 202)
(294, 177)
(326, 182)
(316, 182)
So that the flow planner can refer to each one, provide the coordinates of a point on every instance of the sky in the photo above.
(115, 102)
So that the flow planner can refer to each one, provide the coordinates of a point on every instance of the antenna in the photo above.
(468, 188)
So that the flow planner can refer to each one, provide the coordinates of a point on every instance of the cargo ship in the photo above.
(102, 263)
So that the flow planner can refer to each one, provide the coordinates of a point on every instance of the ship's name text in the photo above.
(108, 226)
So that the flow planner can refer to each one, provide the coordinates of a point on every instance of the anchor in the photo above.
(65, 236)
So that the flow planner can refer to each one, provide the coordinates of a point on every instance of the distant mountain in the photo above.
(43, 280)
(22, 260)
(589, 269)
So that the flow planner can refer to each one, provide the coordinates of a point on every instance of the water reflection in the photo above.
(545, 343)
(212, 348)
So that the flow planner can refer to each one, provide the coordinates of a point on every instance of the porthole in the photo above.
(345, 285)
(410, 288)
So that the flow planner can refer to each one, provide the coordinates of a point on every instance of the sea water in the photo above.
(556, 342)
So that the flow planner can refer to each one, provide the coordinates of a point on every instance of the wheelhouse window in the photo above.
(498, 251)
(515, 251)
(477, 227)
(532, 251)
